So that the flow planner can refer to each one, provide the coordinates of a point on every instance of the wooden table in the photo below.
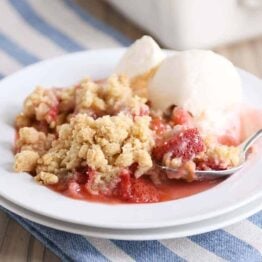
(16, 244)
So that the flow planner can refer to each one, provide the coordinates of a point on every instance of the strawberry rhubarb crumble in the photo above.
(103, 139)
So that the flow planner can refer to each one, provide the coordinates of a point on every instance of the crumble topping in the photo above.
(46, 178)
(105, 136)
(26, 161)
(88, 136)
(31, 139)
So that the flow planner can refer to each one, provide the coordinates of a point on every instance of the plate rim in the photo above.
(135, 235)
(134, 226)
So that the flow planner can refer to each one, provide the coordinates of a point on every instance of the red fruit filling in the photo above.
(185, 144)
(136, 190)
(81, 176)
(158, 125)
(181, 116)
(74, 189)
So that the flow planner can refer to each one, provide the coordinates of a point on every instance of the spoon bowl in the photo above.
(212, 174)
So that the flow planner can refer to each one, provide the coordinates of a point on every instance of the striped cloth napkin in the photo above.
(32, 30)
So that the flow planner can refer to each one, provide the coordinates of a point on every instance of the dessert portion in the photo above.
(103, 140)
(197, 80)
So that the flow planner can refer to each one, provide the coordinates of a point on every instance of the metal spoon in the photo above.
(207, 174)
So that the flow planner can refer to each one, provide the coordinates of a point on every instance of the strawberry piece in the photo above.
(82, 174)
(181, 116)
(143, 192)
(125, 186)
(53, 112)
(136, 190)
(158, 125)
(185, 144)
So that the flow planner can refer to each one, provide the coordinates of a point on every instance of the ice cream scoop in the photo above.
(197, 80)
(143, 55)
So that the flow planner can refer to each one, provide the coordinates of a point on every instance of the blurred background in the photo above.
(232, 28)
(32, 30)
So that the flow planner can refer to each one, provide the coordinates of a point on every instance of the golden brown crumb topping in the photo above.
(104, 129)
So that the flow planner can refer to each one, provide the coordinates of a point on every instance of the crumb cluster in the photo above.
(100, 125)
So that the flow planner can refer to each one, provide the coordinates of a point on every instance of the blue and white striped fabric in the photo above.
(31, 30)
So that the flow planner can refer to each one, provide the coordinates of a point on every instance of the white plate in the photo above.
(238, 190)
(142, 234)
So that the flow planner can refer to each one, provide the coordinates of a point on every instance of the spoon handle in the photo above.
(250, 141)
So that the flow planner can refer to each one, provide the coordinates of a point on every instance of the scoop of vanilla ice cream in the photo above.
(197, 80)
(143, 55)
